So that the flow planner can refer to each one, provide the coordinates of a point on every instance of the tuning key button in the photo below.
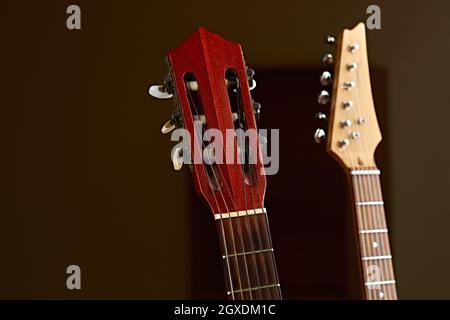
(160, 92)
(343, 143)
(349, 85)
(324, 97)
(321, 116)
(177, 158)
(168, 127)
(362, 120)
(346, 123)
(329, 39)
(326, 78)
(328, 59)
(257, 110)
(353, 47)
(355, 135)
(352, 66)
(250, 72)
(320, 135)
(347, 104)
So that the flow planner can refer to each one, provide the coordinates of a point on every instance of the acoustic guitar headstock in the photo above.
(210, 86)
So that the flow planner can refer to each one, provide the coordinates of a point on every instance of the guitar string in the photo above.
(251, 170)
(256, 218)
(246, 213)
(218, 208)
(366, 215)
(371, 212)
(360, 225)
(372, 223)
(385, 238)
(272, 255)
(359, 216)
(239, 233)
(222, 225)
(248, 224)
(364, 211)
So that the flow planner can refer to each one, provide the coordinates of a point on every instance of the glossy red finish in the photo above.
(208, 56)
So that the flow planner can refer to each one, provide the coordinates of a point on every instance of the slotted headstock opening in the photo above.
(246, 140)
(354, 133)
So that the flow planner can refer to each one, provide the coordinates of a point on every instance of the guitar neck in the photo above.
(373, 240)
(247, 254)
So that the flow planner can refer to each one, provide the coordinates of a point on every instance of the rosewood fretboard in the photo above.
(373, 240)
(247, 254)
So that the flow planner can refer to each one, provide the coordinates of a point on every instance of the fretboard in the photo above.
(373, 239)
(247, 254)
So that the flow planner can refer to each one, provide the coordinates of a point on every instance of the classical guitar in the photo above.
(210, 86)
(353, 136)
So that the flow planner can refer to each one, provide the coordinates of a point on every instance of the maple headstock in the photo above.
(210, 85)
(353, 132)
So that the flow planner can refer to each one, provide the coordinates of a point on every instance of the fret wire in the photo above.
(368, 258)
(247, 253)
(263, 261)
(365, 172)
(257, 288)
(369, 203)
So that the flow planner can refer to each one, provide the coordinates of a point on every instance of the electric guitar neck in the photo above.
(352, 139)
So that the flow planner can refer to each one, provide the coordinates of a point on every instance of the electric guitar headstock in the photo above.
(210, 86)
(353, 132)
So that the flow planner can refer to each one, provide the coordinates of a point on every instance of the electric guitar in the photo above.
(210, 86)
(353, 136)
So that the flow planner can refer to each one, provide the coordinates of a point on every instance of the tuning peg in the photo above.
(250, 76)
(177, 158)
(257, 110)
(326, 78)
(168, 127)
(320, 135)
(328, 59)
(174, 122)
(324, 97)
(160, 92)
(329, 39)
(250, 73)
(209, 155)
(321, 116)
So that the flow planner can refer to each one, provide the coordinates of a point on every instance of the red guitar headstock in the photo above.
(210, 85)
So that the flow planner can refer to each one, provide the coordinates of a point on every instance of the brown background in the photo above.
(86, 177)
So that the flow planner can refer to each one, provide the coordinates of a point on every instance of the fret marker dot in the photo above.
(381, 294)
(375, 244)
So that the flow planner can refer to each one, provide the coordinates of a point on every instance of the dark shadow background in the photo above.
(87, 179)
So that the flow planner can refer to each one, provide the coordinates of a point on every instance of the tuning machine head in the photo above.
(328, 59)
(164, 91)
(324, 97)
(321, 116)
(320, 135)
(174, 122)
(177, 158)
(326, 78)
(257, 110)
(250, 76)
(331, 40)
